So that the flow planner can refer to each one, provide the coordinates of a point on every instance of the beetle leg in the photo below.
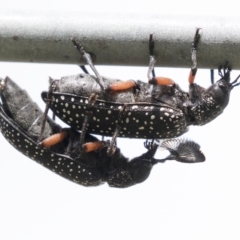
(54, 139)
(234, 84)
(193, 70)
(116, 132)
(110, 149)
(59, 137)
(150, 144)
(93, 146)
(161, 81)
(151, 67)
(84, 69)
(212, 76)
(48, 104)
(152, 58)
(155, 80)
(224, 71)
(151, 45)
(91, 100)
(88, 59)
(122, 85)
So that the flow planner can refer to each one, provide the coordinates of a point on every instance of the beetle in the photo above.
(20, 124)
(159, 109)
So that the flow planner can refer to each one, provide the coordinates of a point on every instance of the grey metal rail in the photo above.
(117, 39)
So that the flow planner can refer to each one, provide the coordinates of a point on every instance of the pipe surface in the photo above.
(117, 39)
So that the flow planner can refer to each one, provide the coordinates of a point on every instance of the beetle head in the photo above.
(213, 100)
(140, 168)
(220, 91)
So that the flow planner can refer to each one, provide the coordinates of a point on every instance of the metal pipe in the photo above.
(117, 39)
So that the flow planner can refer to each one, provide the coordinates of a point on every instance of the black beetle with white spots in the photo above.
(145, 110)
